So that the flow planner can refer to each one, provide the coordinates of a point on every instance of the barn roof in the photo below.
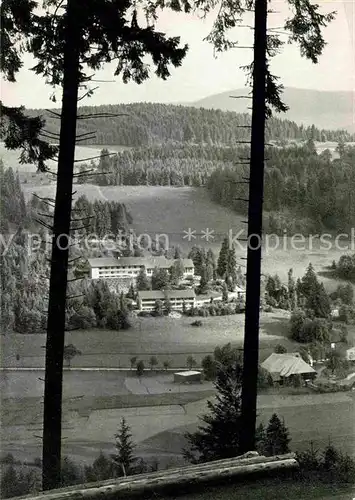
(286, 365)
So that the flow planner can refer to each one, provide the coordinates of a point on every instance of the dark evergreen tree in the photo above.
(318, 302)
(231, 270)
(219, 435)
(222, 263)
(142, 281)
(124, 458)
(276, 438)
(160, 279)
(198, 257)
(203, 286)
(177, 271)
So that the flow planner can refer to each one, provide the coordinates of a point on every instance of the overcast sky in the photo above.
(201, 74)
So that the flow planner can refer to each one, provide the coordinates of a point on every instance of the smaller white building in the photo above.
(350, 354)
(188, 377)
(147, 300)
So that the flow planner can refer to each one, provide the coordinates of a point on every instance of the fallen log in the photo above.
(172, 479)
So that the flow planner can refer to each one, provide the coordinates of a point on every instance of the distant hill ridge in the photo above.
(146, 124)
(325, 109)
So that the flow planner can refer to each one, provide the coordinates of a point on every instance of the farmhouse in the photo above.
(103, 267)
(147, 299)
(286, 366)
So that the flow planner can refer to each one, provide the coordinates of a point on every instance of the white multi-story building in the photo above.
(147, 300)
(103, 267)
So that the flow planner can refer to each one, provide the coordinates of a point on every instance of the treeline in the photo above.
(101, 217)
(166, 165)
(304, 191)
(142, 124)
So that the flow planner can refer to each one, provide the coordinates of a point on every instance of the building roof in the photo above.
(351, 349)
(149, 262)
(286, 364)
(188, 373)
(166, 294)
(103, 262)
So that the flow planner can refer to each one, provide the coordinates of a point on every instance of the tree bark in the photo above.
(256, 189)
(52, 418)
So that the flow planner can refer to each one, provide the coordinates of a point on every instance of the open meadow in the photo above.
(167, 338)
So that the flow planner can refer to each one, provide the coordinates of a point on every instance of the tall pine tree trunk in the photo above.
(52, 419)
(256, 188)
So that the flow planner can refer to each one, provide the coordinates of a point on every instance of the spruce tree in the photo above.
(211, 264)
(222, 263)
(219, 435)
(318, 302)
(142, 281)
(203, 286)
(309, 282)
(124, 458)
(276, 440)
(231, 271)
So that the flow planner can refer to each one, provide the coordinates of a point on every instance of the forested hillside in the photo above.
(304, 191)
(165, 165)
(24, 261)
(142, 124)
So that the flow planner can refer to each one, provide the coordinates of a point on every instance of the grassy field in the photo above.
(268, 489)
(167, 338)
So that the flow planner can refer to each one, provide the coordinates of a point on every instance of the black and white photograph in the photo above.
(177, 249)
